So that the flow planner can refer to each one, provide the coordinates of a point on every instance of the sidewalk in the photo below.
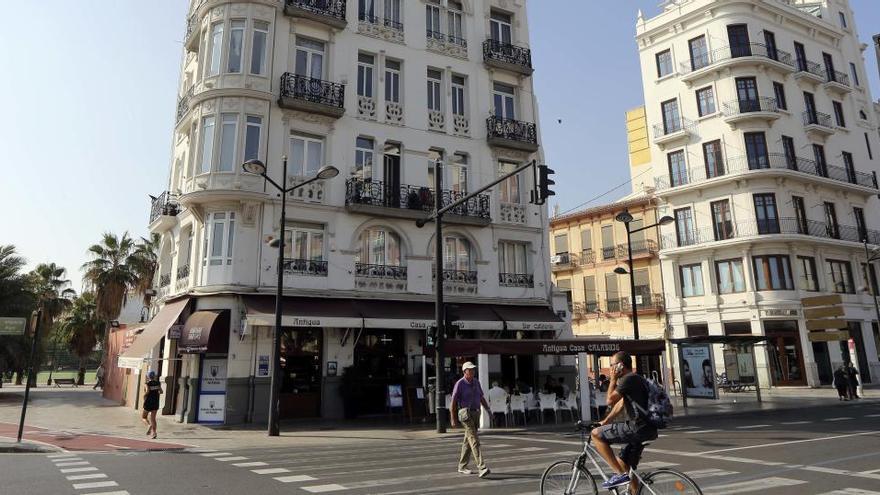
(82, 412)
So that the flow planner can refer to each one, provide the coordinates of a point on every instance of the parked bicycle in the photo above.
(575, 478)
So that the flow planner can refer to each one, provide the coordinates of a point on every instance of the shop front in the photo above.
(784, 353)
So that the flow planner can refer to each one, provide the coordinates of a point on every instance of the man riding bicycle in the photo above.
(622, 424)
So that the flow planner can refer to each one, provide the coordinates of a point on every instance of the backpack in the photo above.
(659, 410)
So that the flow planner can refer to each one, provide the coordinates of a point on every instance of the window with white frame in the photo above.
(252, 137)
(434, 154)
(306, 155)
(691, 280)
(435, 92)
(731, 276)
(304, 242)
(216, 48)
(392, 81)
(218, 235)
(236, 43)
(366, 68)
(513, 257)
(458, 173)
(392, 12)
(510, 188)
(228, 139)
(504, 99)
(363, 158)
(456, 22)
(458, 95)
(379, 246)
(432, 19)
(501, 27)
(367, 10)
(309, 58)
(258, 48)
(457, 254)
(207, 154)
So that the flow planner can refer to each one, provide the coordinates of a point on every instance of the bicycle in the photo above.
(574, 477)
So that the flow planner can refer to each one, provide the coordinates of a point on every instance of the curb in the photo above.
(26, 448)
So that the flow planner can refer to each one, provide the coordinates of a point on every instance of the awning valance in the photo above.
(473, 317)
(529, 318)
(205, 331)
(744, 339)
(154, 331)
(303, 312)
(396, 314)
(530, 347)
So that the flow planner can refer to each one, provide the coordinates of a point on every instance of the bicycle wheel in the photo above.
(557, 480)
(668, 482)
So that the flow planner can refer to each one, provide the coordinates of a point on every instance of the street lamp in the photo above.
(257, 167)
(626, 218)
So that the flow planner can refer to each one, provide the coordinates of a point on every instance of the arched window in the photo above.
(458, 254)
(379, 246)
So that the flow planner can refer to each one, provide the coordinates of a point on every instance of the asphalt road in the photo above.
(825, 450)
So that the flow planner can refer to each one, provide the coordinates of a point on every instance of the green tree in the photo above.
(80, 329)
(53, 297)
(16, 300)
(110, 275)
(145, 264)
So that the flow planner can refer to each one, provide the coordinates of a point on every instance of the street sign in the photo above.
(175, 331)
(828, 312)
(828, 336)
(830, 324)
(12, 326)
(822, 300)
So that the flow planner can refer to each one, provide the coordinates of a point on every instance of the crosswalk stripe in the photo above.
(852, 491)
(698, 432)
(749, 427)
(294, 479)
(795, 422)
(77, 477)
(323, 488)
(95, 484)
(58, 456)
(215, 454)
(79, 470)
(118, 492)
(68, 464)
(270, 471)
(839, 419)
(250, 464)
(232, 458)
(872, 415)
(709, 473)
(751, 486)
(66, 459)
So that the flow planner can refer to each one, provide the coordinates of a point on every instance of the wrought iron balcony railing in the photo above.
(585, 309)
(183, 272)
(609, 252)
(639, 248)
(183, 102)
(564, 261)
(649, 302)
(389, 23)
(671, 127)
(835, 76)
(613, 306)
(516, 279)
(809, 67)
(164, 280)
(333, 9)
(315, 268)
(378, 193)
(587, 257)
(736, 51)
(740, 107)
(312, 90)
(512, 130)
(163, 205)
(508, 54)
(754, 228)
(392, 272)
(457, 276)
(817, 118)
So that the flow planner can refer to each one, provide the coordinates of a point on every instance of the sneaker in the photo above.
(465, 471)
(484, 472)
(616, 480)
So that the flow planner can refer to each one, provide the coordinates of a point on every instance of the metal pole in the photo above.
(632, 283)
(757, 381)
(27, 387)
(275, 384)
(867, 275)
(438, 301)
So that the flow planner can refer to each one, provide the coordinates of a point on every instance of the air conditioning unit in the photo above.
(556, 260)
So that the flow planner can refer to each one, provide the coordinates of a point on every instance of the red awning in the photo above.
(205, 332)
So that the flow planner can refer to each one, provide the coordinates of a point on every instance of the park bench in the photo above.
(65, 381)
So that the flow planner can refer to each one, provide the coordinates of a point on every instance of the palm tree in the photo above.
(80, 328)
(16, 299)
(146, 262)
(111, 274)
(52, 291)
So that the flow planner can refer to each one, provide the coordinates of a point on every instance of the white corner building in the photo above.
(764, 149)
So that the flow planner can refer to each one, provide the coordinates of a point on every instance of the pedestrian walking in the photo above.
(852, 375)
(152, 390)
(841, 382)
(467, 397)
(99, 377)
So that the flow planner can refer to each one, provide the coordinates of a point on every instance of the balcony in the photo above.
(516, 280)
(809, 71)
(613, 306)
(609, 253)
(514, 134)
(392, 272)
(506, 56)
(730, 56)
(412, 202)
(385, 29)
(311, 95)
(818, 123)
(587, 257)
(312, 268)
(640, 249)
(163, 209)
(329, 12)
(762, 109)
(757, 228)
(446, 44)
(582, 310)
(666, 133)
(457, 281)
(646, 303)
(837, 82)
(191, 37)
(776, 163)
(182, 280)
(183, 103)
(563, 261)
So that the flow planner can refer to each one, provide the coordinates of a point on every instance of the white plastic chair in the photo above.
(570, 404)
(518, 404)
(498, 405)
(532, 405)
(548, 401)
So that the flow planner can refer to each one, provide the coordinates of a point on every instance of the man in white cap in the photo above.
(467, 397)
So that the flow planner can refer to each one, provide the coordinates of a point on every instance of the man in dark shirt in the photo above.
(625, 390)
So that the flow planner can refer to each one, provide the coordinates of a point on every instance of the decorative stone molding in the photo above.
(366, 107)
(445, 47)
(393, 113)
(378, 30)
(461, 125)
(436, 121)
(513, 213)
(310, 193)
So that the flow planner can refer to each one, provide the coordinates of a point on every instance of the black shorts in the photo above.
(630, 434)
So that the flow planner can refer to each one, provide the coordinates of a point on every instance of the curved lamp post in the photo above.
(257, 167)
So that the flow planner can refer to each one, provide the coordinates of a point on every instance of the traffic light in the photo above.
(544, 183)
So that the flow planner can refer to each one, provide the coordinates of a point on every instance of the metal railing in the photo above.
(183, 102)
(808, 66)
(785, 225)
(609, 252)
(378, 193)
(164, 280)
(817, 118)
(435, 35)
(393, 272)
(516, 279)
(587, 256)
(613, 305)
(736, 51)
(671, 127)
(312, 90)
(329, 8)
(315, 268)
(741, 107)
(836, 76)
(646, 246)
(650, 302)
(163, 205)
(507, 53)
(458, 276)
(513, 130)
(389, 23)
(183, 272)
(455, 40)
(564, 261)
(584, 309)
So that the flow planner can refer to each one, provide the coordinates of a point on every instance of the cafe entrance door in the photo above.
(301, 350)
(784, 353)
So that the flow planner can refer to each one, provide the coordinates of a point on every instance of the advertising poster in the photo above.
(212, 408)
(212, 391)
(263, 366)
(395, 396)
(213, 375)
(698, 371)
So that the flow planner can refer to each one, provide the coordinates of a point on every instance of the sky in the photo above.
(89, 97)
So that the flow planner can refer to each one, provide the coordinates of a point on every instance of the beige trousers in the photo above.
(470, 446)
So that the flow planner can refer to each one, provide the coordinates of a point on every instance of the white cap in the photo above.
(468, 366)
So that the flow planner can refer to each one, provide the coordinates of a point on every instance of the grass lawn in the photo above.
(44, 375)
